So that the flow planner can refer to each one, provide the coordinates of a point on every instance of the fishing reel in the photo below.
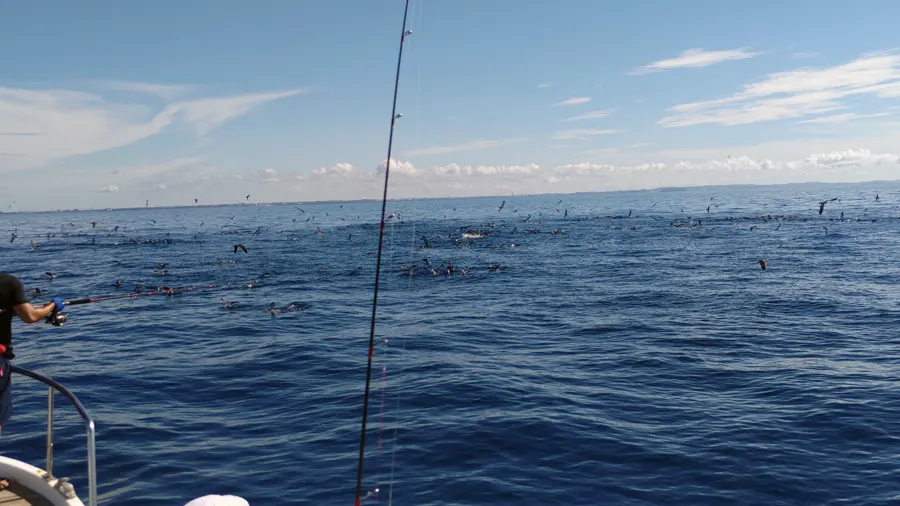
(56, 319)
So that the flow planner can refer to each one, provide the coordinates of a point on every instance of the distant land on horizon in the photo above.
(662, 189)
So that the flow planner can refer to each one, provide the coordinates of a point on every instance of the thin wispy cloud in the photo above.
(695, 58)
(545, 85)
(153, 170)
(66, 123)
(485, 144)
(590, 115)
(210, 113)
(166, 91)
(109, 189)
(581, 133)
(573, 101)
(802, 55)
(843, 118)
(797, 93)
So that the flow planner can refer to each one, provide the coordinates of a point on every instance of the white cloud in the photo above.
(336, 170)
(440, 150)
(62, 123)
(486, 170)
(695, 58)
(268, 176)
(796, 93)
(160, 187)
(590, 115)
(834, 159)
(573, 101)
(109, 189)
(545, 85)
(581, 133)
(851, 158)
(843, 118)
(398, 167)
(166, 91)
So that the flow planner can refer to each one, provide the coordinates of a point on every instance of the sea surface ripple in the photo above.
(623, 361)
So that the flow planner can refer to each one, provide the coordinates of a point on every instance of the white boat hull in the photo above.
(33, 480)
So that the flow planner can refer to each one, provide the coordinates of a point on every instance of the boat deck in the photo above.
(17, 495)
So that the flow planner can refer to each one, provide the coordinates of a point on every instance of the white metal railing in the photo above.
(53, 386)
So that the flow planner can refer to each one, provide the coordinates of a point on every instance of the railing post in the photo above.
(92, 464)
(89, 427)
(50, 431)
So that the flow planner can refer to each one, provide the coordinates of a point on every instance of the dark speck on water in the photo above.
(631, 360)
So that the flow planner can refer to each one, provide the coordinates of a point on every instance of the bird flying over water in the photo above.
(248, 197)
(822, 204)
(501, 206)
(763, 263)
(241, 247)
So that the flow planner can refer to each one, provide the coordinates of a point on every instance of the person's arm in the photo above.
(24, 310)
(30, 314)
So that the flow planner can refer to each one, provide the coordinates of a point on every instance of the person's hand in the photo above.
(58, 304)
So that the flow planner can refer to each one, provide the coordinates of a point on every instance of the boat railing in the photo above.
(52, 387)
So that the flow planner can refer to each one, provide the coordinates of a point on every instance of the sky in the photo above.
(115, 104)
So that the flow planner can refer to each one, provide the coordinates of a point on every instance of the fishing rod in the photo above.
(387, 170)
(57, 318)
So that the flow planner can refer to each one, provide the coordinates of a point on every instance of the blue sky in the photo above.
(109, 104)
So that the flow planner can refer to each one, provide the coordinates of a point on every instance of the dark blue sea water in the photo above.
(624, 360)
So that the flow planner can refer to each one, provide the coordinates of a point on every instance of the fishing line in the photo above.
(412, 247)
(58, 319)
(383, 343)
(387, 170)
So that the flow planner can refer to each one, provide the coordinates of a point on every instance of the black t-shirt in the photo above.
(12, 293)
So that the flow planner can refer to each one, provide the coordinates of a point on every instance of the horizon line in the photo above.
(355, 201)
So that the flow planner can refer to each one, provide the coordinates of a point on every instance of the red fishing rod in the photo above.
(58, 319)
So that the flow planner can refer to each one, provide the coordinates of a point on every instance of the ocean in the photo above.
(637, 356)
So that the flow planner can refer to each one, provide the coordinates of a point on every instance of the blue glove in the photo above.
(58, 302)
